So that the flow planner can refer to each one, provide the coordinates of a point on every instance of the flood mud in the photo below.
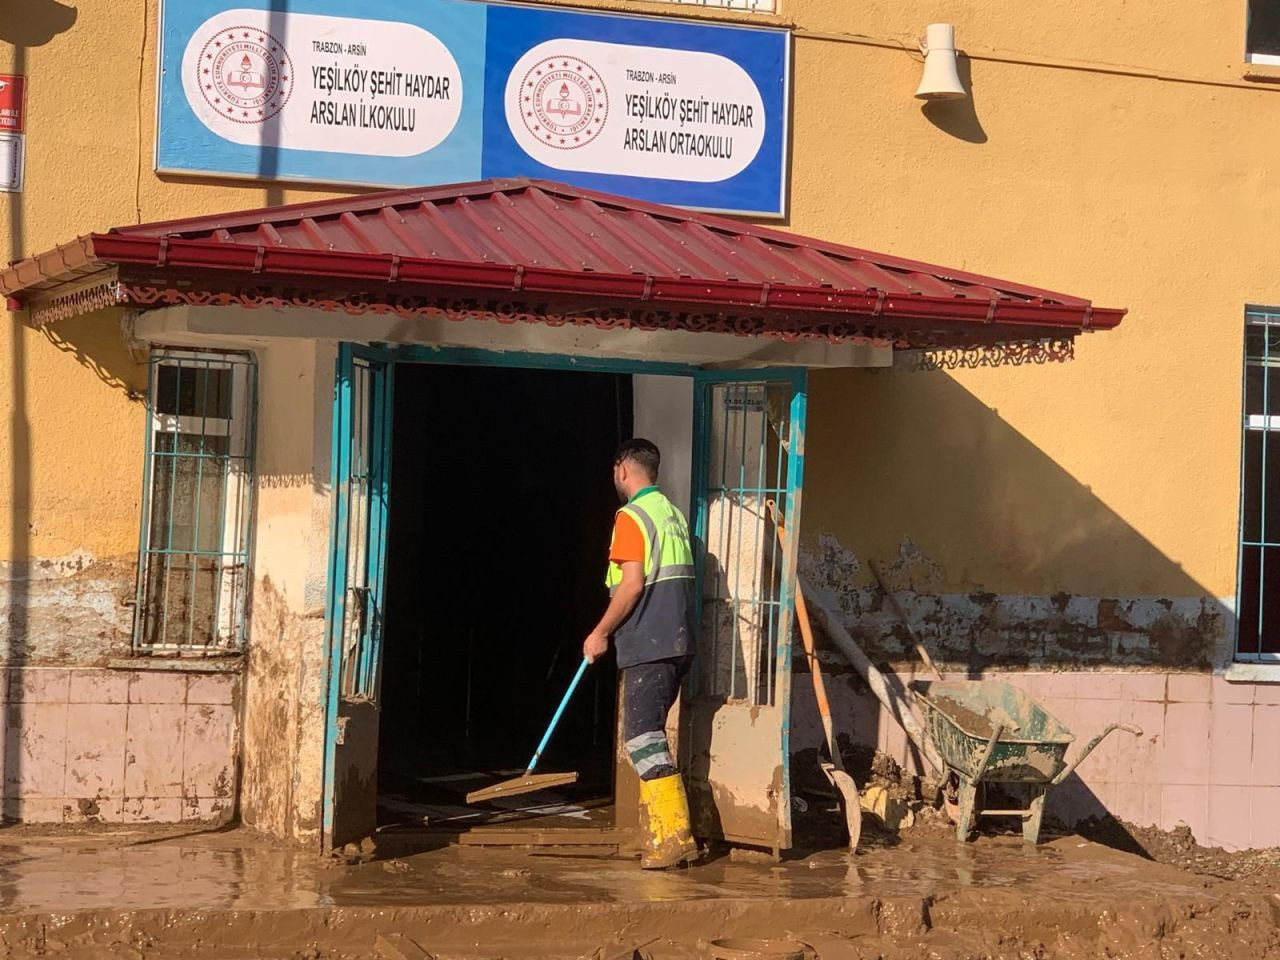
(128, 893)
(1178, 847)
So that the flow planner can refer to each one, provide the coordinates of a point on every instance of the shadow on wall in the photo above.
(33, 23)
(96, 342)
(1000, 556)
(958, 118)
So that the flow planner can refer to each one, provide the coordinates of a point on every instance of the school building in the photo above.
(306, 496)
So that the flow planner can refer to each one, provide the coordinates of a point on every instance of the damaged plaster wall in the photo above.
(91, 735)
(285, 684)
(74, 608)
(1207, 754)
(979, 628)
(1010, 567)
(68, 551)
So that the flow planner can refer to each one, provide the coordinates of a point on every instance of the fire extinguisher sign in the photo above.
(13, 131)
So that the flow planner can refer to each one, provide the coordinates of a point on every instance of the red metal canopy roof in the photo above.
(538, 250)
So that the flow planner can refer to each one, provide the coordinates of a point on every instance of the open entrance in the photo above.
(472, 508)
(499, 519)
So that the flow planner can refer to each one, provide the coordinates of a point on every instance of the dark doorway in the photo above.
(500, 512)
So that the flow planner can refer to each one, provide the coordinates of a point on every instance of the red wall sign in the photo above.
(12, 91)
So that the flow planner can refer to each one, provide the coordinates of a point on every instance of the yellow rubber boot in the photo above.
(664, 814)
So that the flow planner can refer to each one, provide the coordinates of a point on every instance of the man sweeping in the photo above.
(650, 618)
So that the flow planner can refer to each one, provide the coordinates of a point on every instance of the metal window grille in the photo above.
(742, 572)
(197, 487)
(1258, 599)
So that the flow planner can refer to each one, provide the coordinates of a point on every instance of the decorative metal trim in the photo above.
(1014, 353)
(826, 329)
(93, 296)
(940, 349)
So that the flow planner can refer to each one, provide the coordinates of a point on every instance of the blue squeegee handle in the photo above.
(551, 728)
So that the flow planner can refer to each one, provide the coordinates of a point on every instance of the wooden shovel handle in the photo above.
(902, 615)
(810, 650)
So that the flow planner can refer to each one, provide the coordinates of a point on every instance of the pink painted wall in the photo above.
(1209, 755)
(91, 744)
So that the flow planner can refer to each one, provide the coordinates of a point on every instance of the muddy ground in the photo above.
(1178, 847)
(126, 892)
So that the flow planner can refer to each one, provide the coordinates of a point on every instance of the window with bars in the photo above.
(194, 552)
(1258, 600)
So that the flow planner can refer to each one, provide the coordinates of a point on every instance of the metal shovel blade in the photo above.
(527, 783)
(848, 800)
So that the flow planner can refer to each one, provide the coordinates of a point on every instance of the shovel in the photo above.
(529, 781)
(834, 770)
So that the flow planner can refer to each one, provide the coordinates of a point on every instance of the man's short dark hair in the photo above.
(643, 453)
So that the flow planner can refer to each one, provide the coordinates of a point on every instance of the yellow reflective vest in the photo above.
(661, 625)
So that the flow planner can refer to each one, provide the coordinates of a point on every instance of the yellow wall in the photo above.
(1142, 193)
(1087, 175)
(72, 440)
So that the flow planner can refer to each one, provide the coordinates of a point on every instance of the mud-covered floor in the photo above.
(409, 802)
(134, 893)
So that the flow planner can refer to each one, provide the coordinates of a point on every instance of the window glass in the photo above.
(1264, 29)
(199, 391)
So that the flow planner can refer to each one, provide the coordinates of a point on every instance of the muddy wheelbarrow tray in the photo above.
(988, 731)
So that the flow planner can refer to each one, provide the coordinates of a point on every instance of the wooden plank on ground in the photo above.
(569, 851)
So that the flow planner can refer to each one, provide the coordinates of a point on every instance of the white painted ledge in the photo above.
(1251, 673)
(225, 664)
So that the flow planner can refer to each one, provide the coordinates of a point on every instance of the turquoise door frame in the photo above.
(381, 360)
(758, 459)
(361, 467)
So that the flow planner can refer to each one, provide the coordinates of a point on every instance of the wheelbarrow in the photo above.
(987, 731)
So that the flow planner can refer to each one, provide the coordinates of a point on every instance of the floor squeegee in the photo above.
(529, 781)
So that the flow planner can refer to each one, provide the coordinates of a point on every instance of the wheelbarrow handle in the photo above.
(1088, 749)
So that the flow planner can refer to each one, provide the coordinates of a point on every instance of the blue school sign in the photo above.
(418, 92)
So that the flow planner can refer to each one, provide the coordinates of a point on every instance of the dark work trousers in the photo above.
(648, 691)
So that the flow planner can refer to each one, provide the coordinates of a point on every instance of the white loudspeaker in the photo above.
(940, 80)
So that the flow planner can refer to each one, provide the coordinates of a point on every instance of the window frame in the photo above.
(1269, 59)
(234, 542)
(1268, 424)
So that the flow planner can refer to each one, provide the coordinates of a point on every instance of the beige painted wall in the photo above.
(285, 683)
(664, 414)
